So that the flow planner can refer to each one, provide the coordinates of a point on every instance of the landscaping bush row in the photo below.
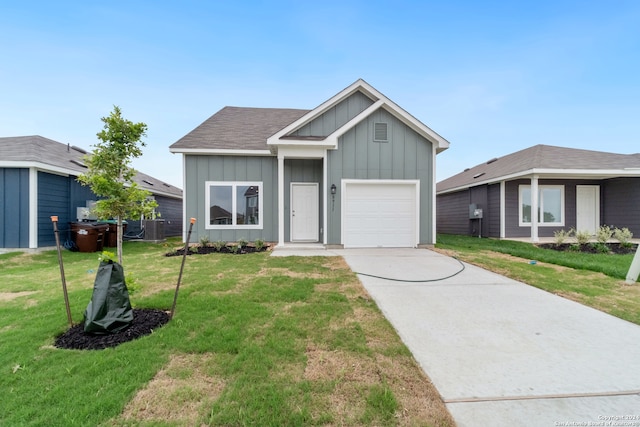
(602, 244)
(204, 246)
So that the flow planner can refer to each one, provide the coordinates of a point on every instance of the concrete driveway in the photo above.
(503, 353)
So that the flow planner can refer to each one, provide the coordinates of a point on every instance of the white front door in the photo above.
(587, 208)
(304, 212)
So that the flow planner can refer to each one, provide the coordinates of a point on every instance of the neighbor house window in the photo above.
(233, 204)
(550, 205)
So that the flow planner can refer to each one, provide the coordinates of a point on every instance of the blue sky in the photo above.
(492, 77)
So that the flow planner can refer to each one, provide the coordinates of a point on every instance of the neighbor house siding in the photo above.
(170, 210)
(199, 169)
(406, 156)
(453, 213)
(620, 199)
(512, 221)
(14, 208)
(492, 217)
(53, 199)
(336, 116)
(300, 170)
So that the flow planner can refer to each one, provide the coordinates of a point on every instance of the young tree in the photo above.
(110, 174)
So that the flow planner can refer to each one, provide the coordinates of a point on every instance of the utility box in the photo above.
(474, 211)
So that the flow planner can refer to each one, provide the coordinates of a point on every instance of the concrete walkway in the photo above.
(502, 353)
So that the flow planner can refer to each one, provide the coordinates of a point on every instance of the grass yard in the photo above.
(255, 340)
(595, 280)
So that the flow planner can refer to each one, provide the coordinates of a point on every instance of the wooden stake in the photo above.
(184, 256)
(54, 219)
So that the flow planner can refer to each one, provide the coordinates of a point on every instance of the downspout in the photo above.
(534, 209)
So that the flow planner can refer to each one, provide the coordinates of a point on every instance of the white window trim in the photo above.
(233, 185)
(541, 206)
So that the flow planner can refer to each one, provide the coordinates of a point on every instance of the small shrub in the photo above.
(603, 234)
(560, 236)
(582, 237)
(242, 243)
(623, 236)
(106, 256)
(235, 248)
(259, 244)
(600, 247)
(204, 241)
(133, 286)
(574, 247)
(219, 244)
(193, 248)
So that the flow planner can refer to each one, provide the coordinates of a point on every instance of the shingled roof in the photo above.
(558, 161)
(238, 128)
(45, 153)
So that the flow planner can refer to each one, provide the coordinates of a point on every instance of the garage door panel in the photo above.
(380, 215)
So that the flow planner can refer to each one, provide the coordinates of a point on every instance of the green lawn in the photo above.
(596, 280)
(256, 340)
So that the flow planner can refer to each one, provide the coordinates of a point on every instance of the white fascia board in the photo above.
(609, 173)
(551, 173)
(302, 152)
(222, 152)
(39, 166)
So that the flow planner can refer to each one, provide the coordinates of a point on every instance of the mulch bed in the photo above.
(144, 322)
(203, 250)
(614, 248)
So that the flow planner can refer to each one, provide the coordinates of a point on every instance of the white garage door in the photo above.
(380, 214)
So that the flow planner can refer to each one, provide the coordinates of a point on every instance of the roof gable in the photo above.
(287, 135)
(558, 161)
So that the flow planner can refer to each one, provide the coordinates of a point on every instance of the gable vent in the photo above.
(380, 132)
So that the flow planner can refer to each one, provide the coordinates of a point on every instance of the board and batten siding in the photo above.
(14, 208)
(620, 199)
(200, 169)
(336, 116)
(406, 156)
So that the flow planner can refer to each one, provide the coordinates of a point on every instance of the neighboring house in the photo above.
(38, 180)
(357, 171)
(571, 188)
